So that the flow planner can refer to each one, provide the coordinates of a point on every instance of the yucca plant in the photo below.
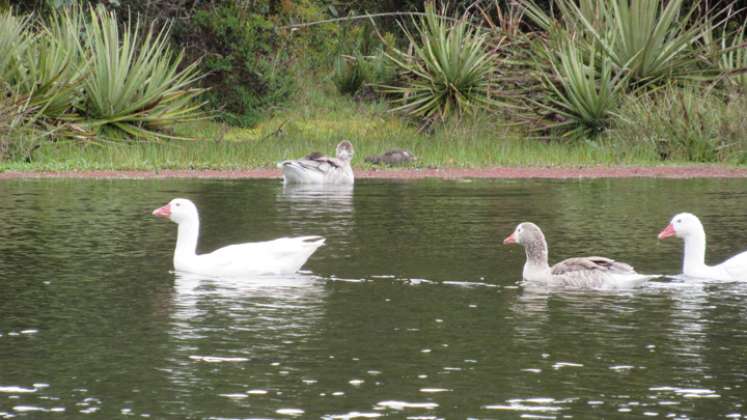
(51, 70)
(14, 40)
(584, 91)
(134, 85)
(18, 135)
(447, 69)
(733, 58)
(652, 40)
(348, 76)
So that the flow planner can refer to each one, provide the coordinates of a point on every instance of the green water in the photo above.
(412, 309)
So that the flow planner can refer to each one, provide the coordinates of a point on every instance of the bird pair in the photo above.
(605, 273)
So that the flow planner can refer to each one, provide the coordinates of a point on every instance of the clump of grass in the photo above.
(685, 124)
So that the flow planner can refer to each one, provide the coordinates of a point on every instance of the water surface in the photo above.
(412, 309)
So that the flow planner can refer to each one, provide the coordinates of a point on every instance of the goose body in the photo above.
(688, 227)
(577, 273)
(279, 256)
(317, 168)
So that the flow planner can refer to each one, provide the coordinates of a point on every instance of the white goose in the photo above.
(579, 273)
(284, 255)
(688, 227)
(319, 169)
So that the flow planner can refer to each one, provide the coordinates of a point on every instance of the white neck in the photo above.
(694, 259)
(536, 267)
(186, 238)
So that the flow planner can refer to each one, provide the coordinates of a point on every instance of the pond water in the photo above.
(412, 309)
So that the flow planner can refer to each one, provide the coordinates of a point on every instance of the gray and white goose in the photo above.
(317, 168)
(578, 273)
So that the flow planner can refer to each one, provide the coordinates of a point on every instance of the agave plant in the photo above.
(652, 40)
(733, 58)
(51, 70)
(348, 76)
(448, 68)
(584, 91)
(14, 40)
(134, 84)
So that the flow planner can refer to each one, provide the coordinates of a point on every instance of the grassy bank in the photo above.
(319, 119)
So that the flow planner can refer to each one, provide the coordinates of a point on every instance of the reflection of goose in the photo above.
(688, 227)
(284, 255)
(583, 272)
(319, 169)
(319, 199)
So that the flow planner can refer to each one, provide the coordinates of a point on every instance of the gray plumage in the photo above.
(392, 157)
(316, 168)
(579, 272)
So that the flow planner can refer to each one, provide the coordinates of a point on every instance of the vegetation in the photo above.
(527, 82)
(446, 68)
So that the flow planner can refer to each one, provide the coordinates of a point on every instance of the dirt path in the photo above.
(498, 173)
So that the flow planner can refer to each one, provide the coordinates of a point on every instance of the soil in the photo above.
(710, 171)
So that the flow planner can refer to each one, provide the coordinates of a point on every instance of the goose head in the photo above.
(525, 234)
(345, 151)
(682, 225)
(177, 210)
(530, 236)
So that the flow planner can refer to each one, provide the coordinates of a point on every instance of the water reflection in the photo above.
(93, 322)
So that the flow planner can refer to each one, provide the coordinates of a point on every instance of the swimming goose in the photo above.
(319, 169)
(580, 273)
(284, 255)
(688, 227)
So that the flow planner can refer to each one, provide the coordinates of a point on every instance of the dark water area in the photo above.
(413, 308)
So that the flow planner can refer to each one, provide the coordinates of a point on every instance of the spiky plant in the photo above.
(135, 86)
(653, 41)
(14, 40)
(584, 91)
(447, 69)
(51, 70)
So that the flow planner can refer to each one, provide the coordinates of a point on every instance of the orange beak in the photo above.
(511, 239)
(164, 211)
(667, 232)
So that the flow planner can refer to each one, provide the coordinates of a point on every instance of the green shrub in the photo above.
(582, 93)
(348, 76)
(447, 69)
(135, 85)
(365, 66)
(245, 59)
(14, 40)
(654, 41)
(688, 123)
(52, 69)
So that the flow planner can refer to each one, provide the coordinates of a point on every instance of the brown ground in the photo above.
(506, 173)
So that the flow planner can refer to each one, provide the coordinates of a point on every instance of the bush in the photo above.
(582, 93)
(365, 66)
(688, 123)
(135, 85)
(245, 60)
(447, 69)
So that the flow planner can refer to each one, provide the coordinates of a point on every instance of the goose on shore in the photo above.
(579, 273)
(688, 227)
(279, 256)
(317, 168)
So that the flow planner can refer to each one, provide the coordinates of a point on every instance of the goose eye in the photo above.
(679, 221)
(178, 204)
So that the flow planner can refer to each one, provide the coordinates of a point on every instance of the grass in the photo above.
(318, 120)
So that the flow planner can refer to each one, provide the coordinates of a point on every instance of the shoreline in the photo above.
(670, 172)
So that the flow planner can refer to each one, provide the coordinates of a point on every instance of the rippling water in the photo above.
(412, 309)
